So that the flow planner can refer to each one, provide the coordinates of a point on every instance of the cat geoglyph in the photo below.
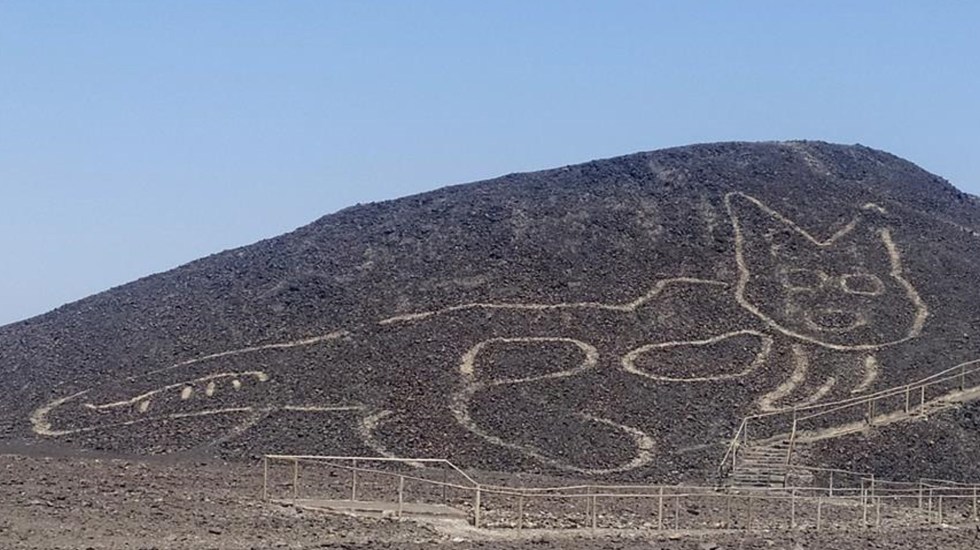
(833, 301)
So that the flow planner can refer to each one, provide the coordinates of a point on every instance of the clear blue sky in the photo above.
(136, 136)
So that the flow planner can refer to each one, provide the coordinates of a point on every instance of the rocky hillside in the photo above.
(614, 319)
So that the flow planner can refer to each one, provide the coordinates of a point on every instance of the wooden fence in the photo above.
(854, 503)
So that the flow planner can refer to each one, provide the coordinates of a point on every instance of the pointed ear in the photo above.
(753, 219)
(764, 236)
(865, 232)
(869, 244)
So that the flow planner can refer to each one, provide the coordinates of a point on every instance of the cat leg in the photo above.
(871, 371)
(821, 376)
(780, 396)
(515, 395)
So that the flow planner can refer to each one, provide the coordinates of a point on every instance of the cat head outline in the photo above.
(845, 292)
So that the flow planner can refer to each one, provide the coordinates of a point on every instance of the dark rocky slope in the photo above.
(623, 315)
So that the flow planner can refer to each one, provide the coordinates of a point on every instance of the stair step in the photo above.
(761, 467)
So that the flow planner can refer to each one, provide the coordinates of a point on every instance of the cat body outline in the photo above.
(756, 227)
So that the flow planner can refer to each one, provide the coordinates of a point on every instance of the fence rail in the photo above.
(868, 503)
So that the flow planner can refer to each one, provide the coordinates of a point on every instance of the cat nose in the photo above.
(835, 320)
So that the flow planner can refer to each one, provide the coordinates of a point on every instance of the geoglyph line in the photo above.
(870, 374)
(185, 386)
(643, 443)
(626, 307)
(43, 427)
(460, 400)
(801, 363)
(251, 349)
(367, 429)
(629, 360)
(816, 396)
(467, 365)
(896, 272)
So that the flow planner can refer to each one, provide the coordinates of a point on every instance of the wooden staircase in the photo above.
(769, 462)
(761, 466)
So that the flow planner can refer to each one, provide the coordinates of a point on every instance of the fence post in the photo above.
(819, 510)
(922, 401)
(864, 504)
(792, 439)
(921, 490)
(734, 455)
(401, 494)
(748, 526)
(940, 508)
(295, 478)
(265, 478)
(908, 399)
(677, 512)
(974, 503)
(660, 509)
(595, 512)
(831, 483)
(792, 509)
(445, 481)
(353, 480)
(520, 511)
(731, 514)
(476, 508)
(878, 512)
(588, 503)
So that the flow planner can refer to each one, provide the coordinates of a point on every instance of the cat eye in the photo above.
(864, 284)
(803, 279)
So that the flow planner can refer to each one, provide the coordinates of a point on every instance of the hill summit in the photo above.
(615, 318)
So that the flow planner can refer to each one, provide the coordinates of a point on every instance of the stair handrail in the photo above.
(732, 450)
(888, 392)
(820, 409)
(897, 390)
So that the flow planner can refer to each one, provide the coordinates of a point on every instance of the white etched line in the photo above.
(870, 374)
(657, 289)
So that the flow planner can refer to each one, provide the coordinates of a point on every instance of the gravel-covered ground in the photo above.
(85, 501)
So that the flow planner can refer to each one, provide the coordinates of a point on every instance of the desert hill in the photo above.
(614, 319)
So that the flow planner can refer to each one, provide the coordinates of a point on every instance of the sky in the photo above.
(137, 136)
